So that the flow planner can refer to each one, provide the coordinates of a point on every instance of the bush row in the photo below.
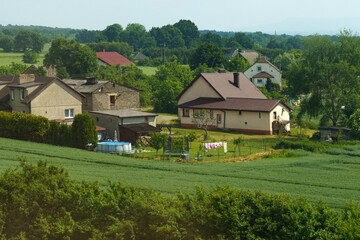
(42, 202)
(307, 145)
(34, 128)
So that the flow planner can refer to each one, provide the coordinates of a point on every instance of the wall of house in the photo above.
(16, 104)
(246, 122)
(111, 123)
(282, 113)
(87, 102)
(200, 88)
(126, 98)
(52, 102)
(265, 67)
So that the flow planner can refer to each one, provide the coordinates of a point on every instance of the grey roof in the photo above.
(140, 56)
(125, 113)
(84, 87)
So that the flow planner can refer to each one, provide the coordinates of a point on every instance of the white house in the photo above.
(262, 71)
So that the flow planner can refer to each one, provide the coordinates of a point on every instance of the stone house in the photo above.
(234, 103)
(105, 95)
(49, 97)
(262, 71)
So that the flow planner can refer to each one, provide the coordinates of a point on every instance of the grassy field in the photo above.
(7, 58)
(148, 70)
(332, 177)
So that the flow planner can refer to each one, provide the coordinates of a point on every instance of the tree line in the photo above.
(42, 202)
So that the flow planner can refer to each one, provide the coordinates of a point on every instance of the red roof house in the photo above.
(112, 59)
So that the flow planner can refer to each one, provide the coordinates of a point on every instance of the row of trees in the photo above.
(38, 129)
(23, 41)
(42, 202)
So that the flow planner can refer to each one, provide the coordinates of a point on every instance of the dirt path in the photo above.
(164, 119)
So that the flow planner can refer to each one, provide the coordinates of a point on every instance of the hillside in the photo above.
(332, 177)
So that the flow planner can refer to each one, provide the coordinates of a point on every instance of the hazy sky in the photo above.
(282, 16)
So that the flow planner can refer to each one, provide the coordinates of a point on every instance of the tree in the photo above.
(70, 57)
(354, 124)
(121, 47)
(157, 141)
(190, 32)
(211, 38)
(30, 57)
(113, 32)
(168, 35)
(243, 40)
(86, 36)
(135, 34)
(28, 40)
(207, 53)
(203, 119)
(6, 43)
(237, 64)
(84, 131)
(284, 60)
(328, 72)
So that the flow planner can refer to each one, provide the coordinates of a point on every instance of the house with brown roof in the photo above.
(112, 59)
(262, 71)
(45, 96)
(234, 103)
(105, 95)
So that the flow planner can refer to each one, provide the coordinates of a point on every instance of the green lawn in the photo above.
(148, 70)
(332, 177)
(7, 58)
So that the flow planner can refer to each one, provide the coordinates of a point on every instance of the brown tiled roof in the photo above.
(113, 58)
(141, 128)
(264, 60)
(263, 75)
(250, 56)
(31, 70)
(236, 104)
(223, 84)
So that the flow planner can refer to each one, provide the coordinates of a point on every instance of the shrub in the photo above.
(83, 131)
(30, 57)
(306, 145)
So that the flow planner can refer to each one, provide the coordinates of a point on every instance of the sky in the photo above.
(281, 16)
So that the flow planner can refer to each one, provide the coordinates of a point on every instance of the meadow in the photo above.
(331, 177)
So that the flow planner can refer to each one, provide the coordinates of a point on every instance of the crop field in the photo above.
(332, 177)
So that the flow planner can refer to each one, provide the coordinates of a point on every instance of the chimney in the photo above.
(236, 79)
(221, 70)
(91, 80)
(26, 78)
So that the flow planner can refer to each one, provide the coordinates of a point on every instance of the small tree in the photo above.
(157, 141)
(192, 137)
(354, 124)
(237, 142)
(203, 118)
(30, 57)
(83, 131)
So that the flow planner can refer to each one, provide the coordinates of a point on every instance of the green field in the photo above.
(7, 58)
(331, 177)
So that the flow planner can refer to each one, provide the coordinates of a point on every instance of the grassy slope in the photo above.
(7, 58)
(330, 177)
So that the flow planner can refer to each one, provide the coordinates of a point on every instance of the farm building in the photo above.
(105, 95)
(129, 124)
(233, 103)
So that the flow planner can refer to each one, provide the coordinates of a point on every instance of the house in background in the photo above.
(234, 103)
(105, 95)
(249, 55)
(112, 59)
(49, 97)
(262, 71)
(139, 56)
(129, 124)
(32, 69)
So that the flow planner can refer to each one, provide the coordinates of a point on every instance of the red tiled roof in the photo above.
(264, 60)
(263, 75)
(113, 58)
(236, 104)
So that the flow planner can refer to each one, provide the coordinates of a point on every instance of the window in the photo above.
(198, 114)
(259, 69)
(240, 112)
(274, 115)
(69, 113)
(251, 79)
(245, 123)
(259, 115)
(259, 81)
(218, 117)
(112, 99)
(211, 114)
(186, 112)
(282, 111)
(22, 94)
(12, 94)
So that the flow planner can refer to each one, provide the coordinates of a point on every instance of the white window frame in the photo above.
(69, 113)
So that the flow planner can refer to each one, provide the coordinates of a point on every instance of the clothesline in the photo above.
(215, 145)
